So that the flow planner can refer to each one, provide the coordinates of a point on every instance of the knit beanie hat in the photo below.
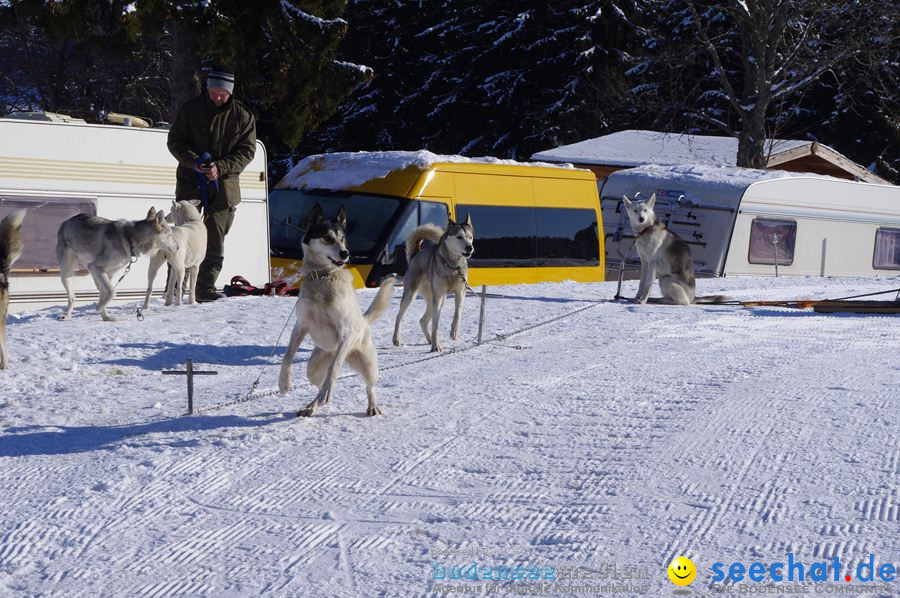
(220, 76)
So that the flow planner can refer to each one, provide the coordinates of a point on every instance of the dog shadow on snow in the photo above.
(170, 355)
(59, 440)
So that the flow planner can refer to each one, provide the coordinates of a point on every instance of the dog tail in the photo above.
(712, 299)
(382, 300)
(11, 240)
(426, 232)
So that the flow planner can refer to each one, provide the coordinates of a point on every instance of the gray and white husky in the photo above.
(10, 250)
(328, 311)
(104, 247)
(664, 255)
(435, 271)
(184, 254)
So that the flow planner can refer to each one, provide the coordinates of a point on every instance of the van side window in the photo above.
(768, 236)
(421, 212)
(504, 235)
(567, 237)
(45, 215)
(433, 212)
(887, 249)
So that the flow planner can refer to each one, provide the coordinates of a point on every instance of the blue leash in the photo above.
(203, 183)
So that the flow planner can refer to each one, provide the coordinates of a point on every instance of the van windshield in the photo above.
(369, 220)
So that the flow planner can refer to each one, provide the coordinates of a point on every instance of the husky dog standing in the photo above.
(664, 255)
(10, 250)
(104, 247)
(328, 310)
(435, 271)
(184, 254)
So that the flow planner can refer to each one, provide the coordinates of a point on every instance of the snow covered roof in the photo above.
(344, 170)
(720, 185)
(636, 148)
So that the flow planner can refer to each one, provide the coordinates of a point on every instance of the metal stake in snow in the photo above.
(190, 372)
(481, 315)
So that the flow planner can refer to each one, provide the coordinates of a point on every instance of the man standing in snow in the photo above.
(213, 137)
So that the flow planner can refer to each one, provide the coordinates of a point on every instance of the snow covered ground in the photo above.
(613, 434)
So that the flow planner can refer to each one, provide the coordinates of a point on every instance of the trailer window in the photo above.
(768, 237)
(887, 249)
(45, 215)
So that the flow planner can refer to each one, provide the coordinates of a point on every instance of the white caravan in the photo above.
(57, 168)
(739, 221)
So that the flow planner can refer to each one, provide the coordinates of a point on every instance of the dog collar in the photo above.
(318, 274)
(646, 228)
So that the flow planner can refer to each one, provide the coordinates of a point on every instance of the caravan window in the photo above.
(887, 249)
(45, 215)
(770, 236)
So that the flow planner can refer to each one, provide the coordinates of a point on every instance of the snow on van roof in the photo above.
(342, 170)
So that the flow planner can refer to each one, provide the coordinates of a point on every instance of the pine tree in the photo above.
(282, 53)
(485, 77)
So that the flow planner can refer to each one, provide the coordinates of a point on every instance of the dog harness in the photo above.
(458, 270)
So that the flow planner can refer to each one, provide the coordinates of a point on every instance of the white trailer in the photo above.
(57, 169)
(741, 222)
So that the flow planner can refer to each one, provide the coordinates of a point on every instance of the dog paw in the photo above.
(64, 317)
(373, 410)
(108, 318)
(307, 412)
(454, 335)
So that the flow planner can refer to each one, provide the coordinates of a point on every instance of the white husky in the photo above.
(328, 310)
(104, 247)
(435, 271)
(664, 255)
(184, 254)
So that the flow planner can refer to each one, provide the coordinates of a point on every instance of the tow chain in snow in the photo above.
(252, 394)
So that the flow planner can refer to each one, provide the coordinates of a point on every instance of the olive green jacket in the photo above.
(227, 133)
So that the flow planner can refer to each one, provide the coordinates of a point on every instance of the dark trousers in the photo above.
(217, 226)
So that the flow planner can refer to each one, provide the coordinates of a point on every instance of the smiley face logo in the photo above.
(682, 571)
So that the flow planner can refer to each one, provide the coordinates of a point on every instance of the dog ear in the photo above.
(195, 202)
(627, 201)
(651, 201)
(151, 214)
(160, 220)
(316, 217)
(468, 221)
(341, 218)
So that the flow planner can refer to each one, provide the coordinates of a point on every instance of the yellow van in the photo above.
(533, 222)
